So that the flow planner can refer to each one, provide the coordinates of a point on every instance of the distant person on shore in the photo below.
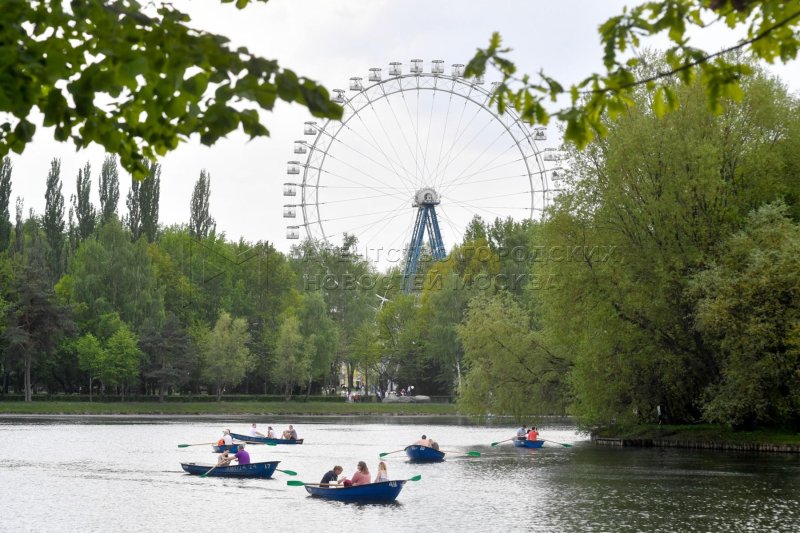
(331, 477)
(422, 441)
(383, 474)
(242, 456)
(254, 432)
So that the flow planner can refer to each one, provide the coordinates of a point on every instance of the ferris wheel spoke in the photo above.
(375, 144)
(456, 136)
(428, 134)
(496, 211)
(400, 129)
(418, 172)
(456, 179)
(411, 186)
(337, 139)
(466, 178)
(390, 214)
(449, 158)
(397, 196)
(356, 183)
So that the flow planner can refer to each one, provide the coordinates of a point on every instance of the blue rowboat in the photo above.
(423, 454)
(257, 470)
(265, 440)
(520, 443)
(232, 448)
(385, 491)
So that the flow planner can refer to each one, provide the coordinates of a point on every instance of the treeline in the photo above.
(664, 279)
(665, 282)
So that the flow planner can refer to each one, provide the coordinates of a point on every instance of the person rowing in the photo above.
(331, 477)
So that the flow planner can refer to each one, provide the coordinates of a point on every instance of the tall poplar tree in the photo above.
(201, 223)
(5, 197)
(19, 239)
(109, 188)
(53, 219)
(142, 202)
(134, 218)
(149, 193)
(85, 212)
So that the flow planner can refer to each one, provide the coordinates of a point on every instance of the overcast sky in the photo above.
(331, 41)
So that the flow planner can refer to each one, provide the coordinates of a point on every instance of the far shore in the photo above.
(216, 409)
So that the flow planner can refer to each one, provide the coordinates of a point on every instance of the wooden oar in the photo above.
(200, 444)
(298, 483)
(561, 443)
(384, 454)
(471, 454)
(501, 441)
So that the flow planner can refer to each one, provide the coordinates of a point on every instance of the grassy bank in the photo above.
(702, 432)
(227, 408)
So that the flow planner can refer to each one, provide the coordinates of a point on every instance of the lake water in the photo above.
(124, 474)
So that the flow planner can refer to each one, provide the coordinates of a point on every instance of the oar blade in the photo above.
(287, 472)
(415, 478)
(495, 443)
(295, 483)
(183, 445)
(474, 454)
(382, 455)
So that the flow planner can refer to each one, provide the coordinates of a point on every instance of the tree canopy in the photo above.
(770, 34)
(134, 77)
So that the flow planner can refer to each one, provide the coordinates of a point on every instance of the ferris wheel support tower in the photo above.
(425, 201)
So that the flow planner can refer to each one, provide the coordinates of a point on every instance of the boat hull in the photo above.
(386, 491)
(232, 448)
(265, 440)
(423, 454)
(528, 443)
(252, 470)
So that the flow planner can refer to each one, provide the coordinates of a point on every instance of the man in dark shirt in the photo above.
(331, 476)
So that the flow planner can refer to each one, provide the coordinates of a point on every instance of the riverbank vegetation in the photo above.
(715, 433)
(226, 408)
(662, 284)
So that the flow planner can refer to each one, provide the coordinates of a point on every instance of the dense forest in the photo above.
(665, 278)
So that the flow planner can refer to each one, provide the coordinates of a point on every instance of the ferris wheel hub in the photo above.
(426, 196)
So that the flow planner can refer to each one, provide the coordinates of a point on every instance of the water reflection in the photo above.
(95, 473)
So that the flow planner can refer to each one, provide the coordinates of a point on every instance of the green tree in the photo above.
(149, 198)
(109, 188)
(53, 219)
(646, 208)
(5, 198)
(170, 354)
(34, 322)
(112, 274)
(166, 80)
(200, 221)
(770, 27)
(749, 307)
(511, 369)
(317, 325)
(85, 212)
(226, 357)
(92, 358)
(124, 358)
(293, 356)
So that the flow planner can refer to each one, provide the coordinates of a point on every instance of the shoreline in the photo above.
(699, 437)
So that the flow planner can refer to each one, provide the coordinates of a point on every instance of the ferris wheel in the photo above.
(415, 153)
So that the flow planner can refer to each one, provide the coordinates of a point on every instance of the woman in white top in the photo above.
(382, 475)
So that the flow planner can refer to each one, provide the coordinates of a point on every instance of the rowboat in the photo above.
(265, 440)
(232, 448)
(386, 491)
(520, 443)
(252, 470)
(423, 454)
